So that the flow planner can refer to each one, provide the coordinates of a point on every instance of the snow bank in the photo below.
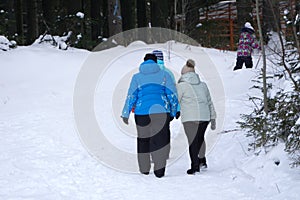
(42, 156)
(61, 42)
(5, 44)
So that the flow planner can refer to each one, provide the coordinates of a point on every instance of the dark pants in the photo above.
(241, 60)
(195, 131)
(153, 140)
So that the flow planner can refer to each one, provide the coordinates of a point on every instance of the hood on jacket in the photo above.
(248, 30)
(191, 78)
(161, 64)
(149, 67)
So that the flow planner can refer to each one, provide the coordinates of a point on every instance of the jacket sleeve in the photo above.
(171, 93)
(174, 82)
(212, 111)
(179, 92)
(254, 42)
(131, 98)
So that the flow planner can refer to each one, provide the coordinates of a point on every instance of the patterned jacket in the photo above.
(247, 42)
(151, 91)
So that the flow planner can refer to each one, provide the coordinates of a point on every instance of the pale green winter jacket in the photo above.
(194, 98)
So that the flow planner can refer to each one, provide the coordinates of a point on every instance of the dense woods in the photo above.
(88, 22)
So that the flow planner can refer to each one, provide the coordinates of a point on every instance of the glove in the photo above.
(177, 114)
(213, 124)
(125, 120)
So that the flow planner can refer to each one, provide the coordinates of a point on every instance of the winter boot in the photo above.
(203, 164)
(159, 172)
(193, 170)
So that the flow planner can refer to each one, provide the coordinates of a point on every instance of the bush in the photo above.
(280, 124)
(5, 44)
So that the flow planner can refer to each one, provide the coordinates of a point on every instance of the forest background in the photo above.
(86, 23)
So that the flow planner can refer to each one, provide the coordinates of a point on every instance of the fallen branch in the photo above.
(229, 131)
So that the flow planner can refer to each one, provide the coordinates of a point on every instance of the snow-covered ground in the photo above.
(43, 157)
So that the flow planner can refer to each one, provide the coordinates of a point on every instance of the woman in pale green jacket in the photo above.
(197, 111)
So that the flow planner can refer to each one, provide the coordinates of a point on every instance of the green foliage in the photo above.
(293, 145)
(259, 125)
(279, 124)
(293, 138)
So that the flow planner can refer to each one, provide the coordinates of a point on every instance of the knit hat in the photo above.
(248, 25)
(188, 67)
(159, 54)
(150, 56)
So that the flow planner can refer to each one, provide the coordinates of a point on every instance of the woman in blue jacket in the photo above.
(153, 96)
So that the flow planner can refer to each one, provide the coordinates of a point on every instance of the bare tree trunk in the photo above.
(142, 22)
(141, 13)
(86, 9)
(104, 20)
(264, 70)
(32, 25)
(159, 13)
(128, 14)
(114, 17)
(295, 35)
(95, 18)
(171, 4)
(48, 8)
(191, 18)
(18, 4)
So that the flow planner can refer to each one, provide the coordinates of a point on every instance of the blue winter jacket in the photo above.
(161, 64)
(151, 91)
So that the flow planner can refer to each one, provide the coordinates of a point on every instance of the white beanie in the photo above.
(248, 25)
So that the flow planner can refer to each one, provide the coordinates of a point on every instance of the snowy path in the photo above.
(42, 156)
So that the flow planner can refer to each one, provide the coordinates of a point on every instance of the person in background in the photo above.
(197, 111)
(247, 43)
(153, 94)
(160, 61)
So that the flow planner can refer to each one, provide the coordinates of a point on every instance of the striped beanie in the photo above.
(159, 54)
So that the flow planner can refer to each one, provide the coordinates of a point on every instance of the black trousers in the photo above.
(153, 140)
(241, 60)
(195, 131)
